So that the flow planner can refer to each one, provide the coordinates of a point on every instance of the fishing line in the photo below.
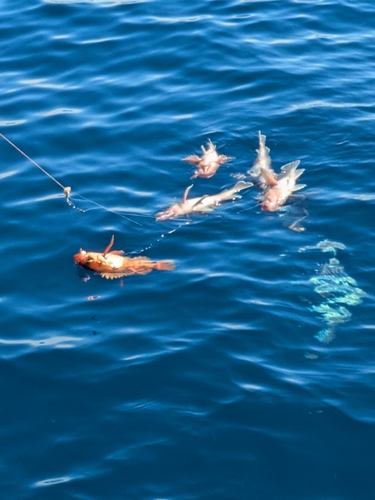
(248, 208)
(67, 189)
(110, 210)
(162, 236)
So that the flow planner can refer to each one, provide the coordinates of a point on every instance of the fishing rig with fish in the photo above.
(67, 190)
(337, 288)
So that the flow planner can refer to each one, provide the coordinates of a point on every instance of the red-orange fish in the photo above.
(112, 264)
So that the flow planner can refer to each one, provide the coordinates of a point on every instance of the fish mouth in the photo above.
(165, 215)
(161, 216)
(78, 258)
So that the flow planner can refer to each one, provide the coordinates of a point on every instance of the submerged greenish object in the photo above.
(337, 288)
(325, 246)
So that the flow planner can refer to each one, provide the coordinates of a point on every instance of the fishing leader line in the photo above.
(67, 189)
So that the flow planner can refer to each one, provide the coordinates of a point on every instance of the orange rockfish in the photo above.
(202, 204)
(208, 163)
(263, 160)
(112, 264)
(279, 189)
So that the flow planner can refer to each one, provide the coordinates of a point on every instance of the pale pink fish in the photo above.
(279, 189)
(208, 163)
(204, 203)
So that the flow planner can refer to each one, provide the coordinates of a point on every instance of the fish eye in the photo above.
(89, 260)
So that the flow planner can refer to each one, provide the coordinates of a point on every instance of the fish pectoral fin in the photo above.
(297, 187)
(192, 159)
(269, 177)
(290, 166)
(187, 190)
(242, 185)
(298, 173)
(223, 158)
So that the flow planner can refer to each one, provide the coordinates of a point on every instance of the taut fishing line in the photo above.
(67, 190)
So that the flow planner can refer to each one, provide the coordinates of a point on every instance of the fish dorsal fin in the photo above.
(187, 190)
(109, 246)
(269, 177)
(197, 203)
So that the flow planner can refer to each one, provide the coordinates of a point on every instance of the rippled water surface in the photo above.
(248, 372)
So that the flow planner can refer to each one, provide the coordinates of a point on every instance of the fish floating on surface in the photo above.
(263, 160)
(280, 188)
(208, 163)
(112, 264)
(202, 204)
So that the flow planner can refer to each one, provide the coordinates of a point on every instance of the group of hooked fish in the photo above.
(332, 283)
(276, 189)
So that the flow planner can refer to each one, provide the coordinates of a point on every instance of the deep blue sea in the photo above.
(248, 372)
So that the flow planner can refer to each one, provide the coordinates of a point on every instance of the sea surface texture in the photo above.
(248, 372)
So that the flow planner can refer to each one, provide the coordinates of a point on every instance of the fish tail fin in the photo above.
(262, 138)
(165, 265)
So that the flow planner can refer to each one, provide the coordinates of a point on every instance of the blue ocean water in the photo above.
(213, 381)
